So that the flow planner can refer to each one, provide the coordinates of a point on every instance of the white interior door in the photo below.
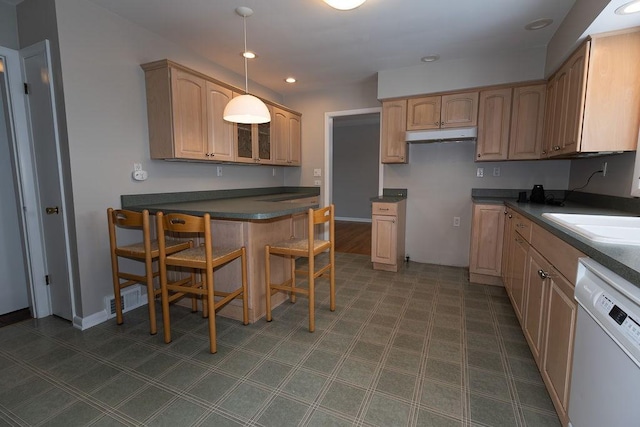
(13, 267)
(36, 69)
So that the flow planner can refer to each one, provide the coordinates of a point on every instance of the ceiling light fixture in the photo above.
(430, 58)
(290, 80)
(249, 55)
(629, 8)
(246, 108)
(538, 24)
(344, 4)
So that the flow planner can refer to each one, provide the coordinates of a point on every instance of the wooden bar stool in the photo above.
(309, 248)
(145, 251)
(204, 258)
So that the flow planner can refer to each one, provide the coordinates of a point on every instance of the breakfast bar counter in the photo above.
(248, 217)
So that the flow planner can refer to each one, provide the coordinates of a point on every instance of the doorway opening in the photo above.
(353, 174)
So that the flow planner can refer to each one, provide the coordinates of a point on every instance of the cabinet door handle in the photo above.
(479, 155)
(543, 274)
(510, 216)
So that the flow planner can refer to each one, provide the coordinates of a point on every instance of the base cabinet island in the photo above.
(248, 217)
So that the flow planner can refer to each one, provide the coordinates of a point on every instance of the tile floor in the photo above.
(418, 348)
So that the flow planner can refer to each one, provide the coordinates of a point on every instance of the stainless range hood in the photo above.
(441, 135)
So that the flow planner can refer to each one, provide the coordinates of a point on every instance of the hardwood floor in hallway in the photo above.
(353, 237)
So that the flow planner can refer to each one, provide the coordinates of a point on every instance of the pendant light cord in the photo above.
(246, 73)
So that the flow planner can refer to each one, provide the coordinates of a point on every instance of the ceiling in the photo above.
(322, 47)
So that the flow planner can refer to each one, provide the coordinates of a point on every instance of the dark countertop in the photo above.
(387, 199)
(623, 260)
(390, 195)
(237, 205)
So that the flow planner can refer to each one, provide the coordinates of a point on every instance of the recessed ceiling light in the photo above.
(430, 58)
(628, 8)
(344, 4)
(290, 80)
(248, 54)
(538, 24)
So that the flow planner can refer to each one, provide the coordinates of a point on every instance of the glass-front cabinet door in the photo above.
(244, 143)
(253, 143)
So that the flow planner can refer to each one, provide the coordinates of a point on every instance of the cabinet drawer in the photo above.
(523, 226)
(384, 208)
(562, 255)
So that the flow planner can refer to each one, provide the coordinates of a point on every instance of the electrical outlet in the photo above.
(317, 172)
(317, 182)
(480, 172)
(219, 170)
(273, 172)
(496, 171)
(604, 168)
(456, 221)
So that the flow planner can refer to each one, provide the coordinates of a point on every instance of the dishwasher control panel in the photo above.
(624, 322)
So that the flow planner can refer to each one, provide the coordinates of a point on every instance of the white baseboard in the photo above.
(102, 316)
(92, 320)
(346, 218)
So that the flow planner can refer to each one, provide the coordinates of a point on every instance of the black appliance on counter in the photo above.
(537, 195)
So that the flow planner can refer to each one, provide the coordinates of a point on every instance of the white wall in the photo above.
(439, 179)
(463, 73)
(571, 32)
(105, 104)
(619, 176)
(356, 162)
(8, 26)
(313, 106)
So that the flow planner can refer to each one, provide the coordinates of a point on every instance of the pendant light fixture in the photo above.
(344, 4)
(246, 108)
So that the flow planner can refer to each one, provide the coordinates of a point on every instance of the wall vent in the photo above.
(131, 298)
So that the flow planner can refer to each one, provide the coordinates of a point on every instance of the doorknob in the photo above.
(51, 211)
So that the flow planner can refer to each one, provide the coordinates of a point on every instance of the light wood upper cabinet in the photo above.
(177, 114)
(221, 133)
(424, 113)
(487, 230)
(493, 125)
(442, 111)
(527, 118)
(286, 132)
(185, 116)
(394, 127)
(597, 97)
(184, 113)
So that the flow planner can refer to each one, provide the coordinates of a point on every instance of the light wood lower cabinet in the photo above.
(536, 292)
(557, 346)
(387, 235)
(518, 264)
(539, 273)
(485, 257)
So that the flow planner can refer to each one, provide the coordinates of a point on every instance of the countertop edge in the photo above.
(590, 249)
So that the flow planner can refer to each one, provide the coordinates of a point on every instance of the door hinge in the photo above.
(47, 280)
(26, 88)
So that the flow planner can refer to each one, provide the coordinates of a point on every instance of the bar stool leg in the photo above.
(212, 314)
(267, 272)
(312, 295)
(151, 294)
(245, 297)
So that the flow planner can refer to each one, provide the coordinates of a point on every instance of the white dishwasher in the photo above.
(605, 380)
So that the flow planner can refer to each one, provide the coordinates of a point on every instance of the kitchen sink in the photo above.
(623, 230)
